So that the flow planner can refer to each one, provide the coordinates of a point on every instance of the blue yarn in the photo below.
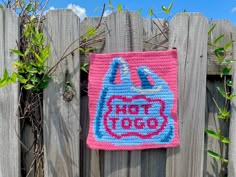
(144, 80)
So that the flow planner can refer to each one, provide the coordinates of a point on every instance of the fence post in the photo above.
(213, 81)
(155, 38)
(9, 124)
(62, 96)
(91, 158)
(232, 130)
(124, 33)
(189, 34)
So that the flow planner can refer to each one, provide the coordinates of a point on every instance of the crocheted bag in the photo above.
(133, 100)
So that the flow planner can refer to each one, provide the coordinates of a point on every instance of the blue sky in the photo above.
(212, 9)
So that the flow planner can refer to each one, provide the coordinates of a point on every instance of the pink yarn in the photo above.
(114, 124)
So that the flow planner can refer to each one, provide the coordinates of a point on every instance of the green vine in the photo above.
(224, 114)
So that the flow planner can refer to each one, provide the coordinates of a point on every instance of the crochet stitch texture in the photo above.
(133, 100)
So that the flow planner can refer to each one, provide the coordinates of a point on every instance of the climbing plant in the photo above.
(225, 65)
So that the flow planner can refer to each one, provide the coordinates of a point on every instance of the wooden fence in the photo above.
(66, 123)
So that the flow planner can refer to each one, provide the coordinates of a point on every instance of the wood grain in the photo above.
(9, 124)
(155, 34)
(155, 38)
(90, 158)
(85, 27)
(211, 165)
(188, 33)
(232, 130)
(124, 33)
(223, 27)
(62, 115)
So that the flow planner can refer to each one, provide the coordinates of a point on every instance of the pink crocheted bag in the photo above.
(133, 100)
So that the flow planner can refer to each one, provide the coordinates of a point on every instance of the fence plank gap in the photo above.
(9, 124)
(188, 33)
(61, 113)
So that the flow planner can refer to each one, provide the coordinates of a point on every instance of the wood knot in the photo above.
(69, 92)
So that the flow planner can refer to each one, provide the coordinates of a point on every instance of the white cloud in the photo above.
(107, 12)
(80, 11)
(234, 9)
(52, 8)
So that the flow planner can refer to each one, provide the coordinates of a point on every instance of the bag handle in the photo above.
(118, 63)
(144, 72)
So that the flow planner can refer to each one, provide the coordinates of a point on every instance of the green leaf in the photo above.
(219, 52)
(150, 12)
(232, 96)
(81, 49)
(14, 77)
(91, 31)
(212, 133)
(225, 71)
(224, 113)
(222, 92)
(140, 11)
(28, 7)
(211, 30)
(38, 57)
(170, 6)
(32, 70)
(44, 83)
(22, 80)
(164, 9)
(5, 74)
(229, 44)
(225, 140)
(111, 7)
(167, 10)
(226, 62)
(185, 10)
(28, 86)
(229, 83)
(211, 44)
(119, 8)
(83, 67)
(214, 154)
(218, 39)
(89, 49)
(17, 52)
(224, 160)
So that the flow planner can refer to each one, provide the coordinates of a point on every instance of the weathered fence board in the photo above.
(188, 33)
(90, 166)
(223, 27)
(62, 97)
(232, 134)
(155, 38)
(124, 32)
(91, 158)
(66, 152)
(9, 124)
(212, 166)
(155, 34)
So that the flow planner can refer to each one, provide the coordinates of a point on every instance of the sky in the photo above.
(212, 9)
